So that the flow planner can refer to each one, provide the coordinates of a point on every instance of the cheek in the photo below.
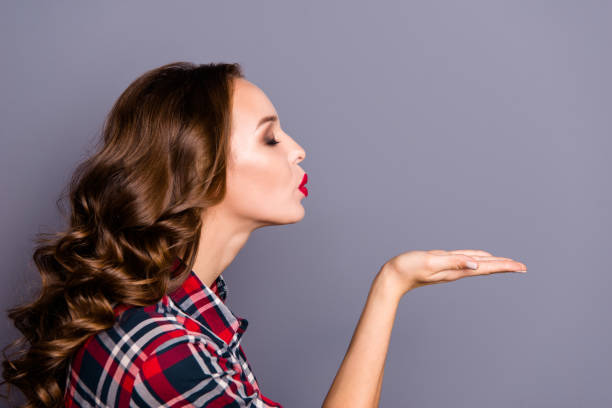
(259, 186)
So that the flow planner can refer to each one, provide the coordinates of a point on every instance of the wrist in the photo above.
(387, 284)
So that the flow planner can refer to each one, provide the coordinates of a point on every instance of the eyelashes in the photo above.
(272, 142)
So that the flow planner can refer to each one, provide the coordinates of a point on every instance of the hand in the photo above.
(413, 269)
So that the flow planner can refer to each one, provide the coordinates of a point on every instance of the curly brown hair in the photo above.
(135, 206)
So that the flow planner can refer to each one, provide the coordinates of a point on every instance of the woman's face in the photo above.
(262, 179)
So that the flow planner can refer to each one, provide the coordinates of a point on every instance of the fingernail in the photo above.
(521, 271)
(472, 265)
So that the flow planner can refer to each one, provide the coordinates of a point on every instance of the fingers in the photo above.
(480, 264)
(471, 252)
(484, 268)
(468, 252)
(498, 265)
(446, 266)
(477, 254)
(491, 258)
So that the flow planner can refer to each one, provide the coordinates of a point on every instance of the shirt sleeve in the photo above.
(192, 372)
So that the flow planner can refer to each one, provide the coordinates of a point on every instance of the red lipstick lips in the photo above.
(301, 186)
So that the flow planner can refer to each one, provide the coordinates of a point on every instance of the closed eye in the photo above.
(272, 142)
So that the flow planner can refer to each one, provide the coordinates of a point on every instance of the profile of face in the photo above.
(263, 172)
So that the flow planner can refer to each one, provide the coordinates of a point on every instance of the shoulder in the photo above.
(110, 361)
(140, 332)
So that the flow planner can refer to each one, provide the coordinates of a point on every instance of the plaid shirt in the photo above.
(182, 351)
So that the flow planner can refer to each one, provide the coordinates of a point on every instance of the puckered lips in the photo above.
(301, 187)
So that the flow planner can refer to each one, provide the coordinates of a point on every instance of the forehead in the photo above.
(249, 105)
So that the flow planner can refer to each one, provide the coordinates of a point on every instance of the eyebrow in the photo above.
(269, 118)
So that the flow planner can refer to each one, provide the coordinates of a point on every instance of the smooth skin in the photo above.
(358, 382)
(262, 181)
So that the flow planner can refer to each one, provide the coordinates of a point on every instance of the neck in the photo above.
(221, 239)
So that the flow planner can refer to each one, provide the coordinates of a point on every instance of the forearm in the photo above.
(379, 387)
(359, 378)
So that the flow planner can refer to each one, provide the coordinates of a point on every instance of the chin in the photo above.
(300, 217)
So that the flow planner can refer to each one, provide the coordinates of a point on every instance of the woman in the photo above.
(131, 311)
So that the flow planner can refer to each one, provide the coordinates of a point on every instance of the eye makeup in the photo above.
(272, 142)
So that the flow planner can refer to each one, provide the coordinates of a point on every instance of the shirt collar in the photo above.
(207, 306)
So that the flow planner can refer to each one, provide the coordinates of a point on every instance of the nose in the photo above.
(301, 154)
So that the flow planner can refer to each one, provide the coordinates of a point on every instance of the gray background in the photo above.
(472, 124)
